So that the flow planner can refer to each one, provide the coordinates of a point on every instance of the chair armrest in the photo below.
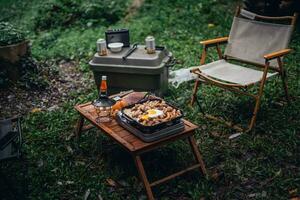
(277, 54)
(215, 41)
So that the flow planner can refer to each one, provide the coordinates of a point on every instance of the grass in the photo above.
(262, 165)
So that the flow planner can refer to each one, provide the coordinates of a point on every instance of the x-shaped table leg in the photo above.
(143, 176)
(200, 164)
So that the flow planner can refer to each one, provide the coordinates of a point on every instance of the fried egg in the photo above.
(152, 113)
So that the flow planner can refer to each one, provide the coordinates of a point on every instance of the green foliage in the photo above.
(10, 34)
(34, 75)
(64, 13)
(76, 43)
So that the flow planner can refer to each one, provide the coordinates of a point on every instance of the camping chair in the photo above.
(10, 147)
(256, 40)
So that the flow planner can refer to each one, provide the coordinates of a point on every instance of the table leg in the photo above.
(197, 154)
(79, 126)
(143, 176)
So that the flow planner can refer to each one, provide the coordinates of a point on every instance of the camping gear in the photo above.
(181, 75)
(115, 47)
(145, 128)
(10, 138)
(137, 147)
(256, 40)
(139, 71)
(101, 47)
(118, 35)
(152, 136)
(150, 44)
(103, 105)
(11, 141)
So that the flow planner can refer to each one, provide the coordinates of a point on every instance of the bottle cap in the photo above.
(103, 78)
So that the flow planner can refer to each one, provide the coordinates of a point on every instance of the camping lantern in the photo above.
(103, 106)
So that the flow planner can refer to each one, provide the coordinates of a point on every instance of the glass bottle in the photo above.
(103, 87)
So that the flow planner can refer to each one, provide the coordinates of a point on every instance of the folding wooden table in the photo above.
(136, 147)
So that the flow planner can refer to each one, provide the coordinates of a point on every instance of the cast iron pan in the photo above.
(154, 128)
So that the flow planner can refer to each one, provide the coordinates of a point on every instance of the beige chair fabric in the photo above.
(232, 73)
(250, 40)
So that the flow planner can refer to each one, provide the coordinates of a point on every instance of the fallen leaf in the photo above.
(87, 194)
(210, 25)
(280, 103)
(215, 134)
(35, 110)
(52, 108)
(79, 163)
(111, 182)
(68, 137)
(54, 170)
(69, 182)
(123, 183)
(234, 135)
(40, 163)
(99, 197)
(293, 192)
(59, 183)
(70, 150)
(252, 195)
(215, 175)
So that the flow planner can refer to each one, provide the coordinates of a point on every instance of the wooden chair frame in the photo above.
(240, 89)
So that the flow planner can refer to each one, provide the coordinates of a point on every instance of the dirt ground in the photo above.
(17, 101)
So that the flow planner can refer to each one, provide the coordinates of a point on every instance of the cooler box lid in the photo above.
(138, 59)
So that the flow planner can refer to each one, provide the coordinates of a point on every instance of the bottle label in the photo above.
(103, 87)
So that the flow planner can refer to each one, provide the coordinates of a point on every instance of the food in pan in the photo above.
(152, 112)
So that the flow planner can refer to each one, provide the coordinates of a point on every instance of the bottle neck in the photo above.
(103, 88)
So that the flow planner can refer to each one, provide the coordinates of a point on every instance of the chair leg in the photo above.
(285, 87)
(258, 97)
(283, 78)
(254, 115)
(256, 108)
(197, 82)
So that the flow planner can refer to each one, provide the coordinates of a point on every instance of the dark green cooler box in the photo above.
(139, 71)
